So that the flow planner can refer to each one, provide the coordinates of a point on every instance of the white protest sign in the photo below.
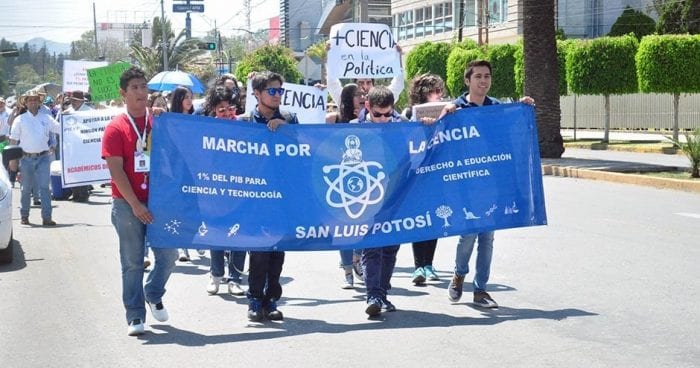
(81, 147)
(75, 74)
(309, 103)
(427, 110)
(362, 50)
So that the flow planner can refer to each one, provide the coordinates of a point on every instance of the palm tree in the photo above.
(542, 73)
(182, 53)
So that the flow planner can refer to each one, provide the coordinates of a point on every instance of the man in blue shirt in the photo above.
(477, 77)
(264, 288)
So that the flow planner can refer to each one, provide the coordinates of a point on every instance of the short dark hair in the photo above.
(217, 95)
(422, 86)
(380, 96)
(474, 63)
(262, 79)
(129, 74)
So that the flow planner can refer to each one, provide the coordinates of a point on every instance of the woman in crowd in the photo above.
(424, 88)
(352, 99)
(220, 102)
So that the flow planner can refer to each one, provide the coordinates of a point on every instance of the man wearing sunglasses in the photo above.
(378, 263)
(379, 107)
(264, 288)
(267, 88)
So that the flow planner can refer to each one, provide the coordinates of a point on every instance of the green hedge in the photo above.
(428, 57)
(669, 64)
(603, 66)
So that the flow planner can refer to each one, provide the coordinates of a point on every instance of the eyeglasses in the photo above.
(271, 91)
(379, 114)
(224, 109)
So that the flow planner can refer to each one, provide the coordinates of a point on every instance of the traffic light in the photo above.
(211, 46)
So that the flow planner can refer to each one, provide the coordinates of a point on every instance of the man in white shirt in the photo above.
(77, 102)
(31, 130)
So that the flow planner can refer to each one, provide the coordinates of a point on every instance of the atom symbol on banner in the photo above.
(354, 188)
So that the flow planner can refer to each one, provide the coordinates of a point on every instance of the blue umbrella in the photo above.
(169, 80)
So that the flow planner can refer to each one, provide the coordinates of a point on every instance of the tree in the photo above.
(542, 72)
(603, 66)
(26, 77)
(633, 21)
(669, 64)
(319, 52)
(678, 16)
(562, 50)
(84, 48)
(273, 58)
(428, 57)
(502, 59)
(456, 64)
(182, 54)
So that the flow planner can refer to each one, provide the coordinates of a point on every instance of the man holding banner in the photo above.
(477, 78)
(264, 288)
(378, 263)
(125, 148)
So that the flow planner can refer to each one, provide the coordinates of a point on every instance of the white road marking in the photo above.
(693, 215)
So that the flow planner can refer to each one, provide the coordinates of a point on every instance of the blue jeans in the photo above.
(35, 173)
(483, 258)
(132, 236)
(346, 256)
(377, 267)
(236, 261)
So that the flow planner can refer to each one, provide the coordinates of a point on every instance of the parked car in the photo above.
(6, 241)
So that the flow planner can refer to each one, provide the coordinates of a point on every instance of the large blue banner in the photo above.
(217, 183)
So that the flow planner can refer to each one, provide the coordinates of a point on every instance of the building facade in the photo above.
(298, 20)
(499, 21)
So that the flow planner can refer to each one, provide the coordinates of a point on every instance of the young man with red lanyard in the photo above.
(125, 148)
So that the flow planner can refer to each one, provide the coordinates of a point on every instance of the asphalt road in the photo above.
(611, 281)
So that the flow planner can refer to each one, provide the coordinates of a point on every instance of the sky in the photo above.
(65, 20)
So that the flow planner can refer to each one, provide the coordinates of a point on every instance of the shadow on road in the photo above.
(396, 320)
(18, 262)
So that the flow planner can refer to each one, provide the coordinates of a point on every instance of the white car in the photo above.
(6, 241)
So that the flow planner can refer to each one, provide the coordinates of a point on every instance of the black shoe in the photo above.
(272, 313)
(255, 310)
(25, 220)
(48, 222)
(374, 307)
(37, 203)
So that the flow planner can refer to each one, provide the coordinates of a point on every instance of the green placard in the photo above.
(104, 81)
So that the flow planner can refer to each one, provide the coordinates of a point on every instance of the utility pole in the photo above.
(94, 24)
(165, 36)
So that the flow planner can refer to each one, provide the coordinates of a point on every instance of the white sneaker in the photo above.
(135, 328)
(234, 288)
(213, 286)
(348, 281)
(158, 311)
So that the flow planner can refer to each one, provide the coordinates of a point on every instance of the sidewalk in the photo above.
(621, 167)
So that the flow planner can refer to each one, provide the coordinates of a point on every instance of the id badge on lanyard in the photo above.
(142, 158)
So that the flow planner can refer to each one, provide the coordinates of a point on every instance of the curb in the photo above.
(622, 149)
(662, 183)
